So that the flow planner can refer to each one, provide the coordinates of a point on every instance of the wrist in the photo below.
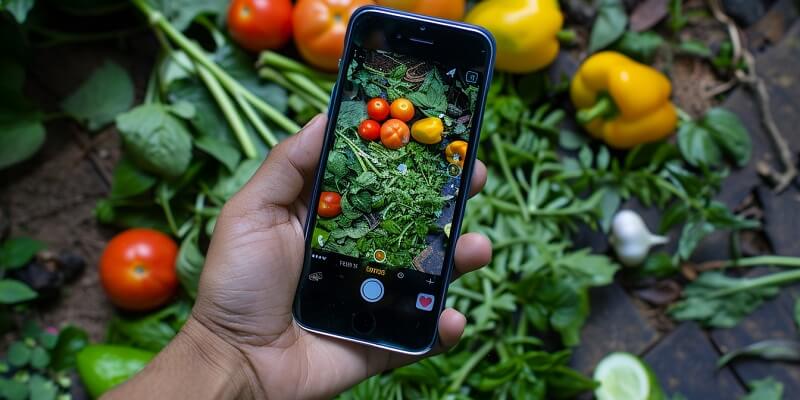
(197, 364)
(227, 369)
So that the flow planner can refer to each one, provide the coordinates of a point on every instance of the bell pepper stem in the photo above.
(566, 36)
(603, 107)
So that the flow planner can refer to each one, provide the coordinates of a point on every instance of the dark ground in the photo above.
(52, 197)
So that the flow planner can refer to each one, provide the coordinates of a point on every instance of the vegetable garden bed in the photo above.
(554, 291)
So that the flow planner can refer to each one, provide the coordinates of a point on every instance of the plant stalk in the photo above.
(779, 278)
(229, 110)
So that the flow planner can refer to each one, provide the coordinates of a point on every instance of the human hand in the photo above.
(251, 272)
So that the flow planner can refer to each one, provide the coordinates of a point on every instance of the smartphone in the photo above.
(386, 207)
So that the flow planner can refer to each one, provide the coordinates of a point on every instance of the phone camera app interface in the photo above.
(392, 177)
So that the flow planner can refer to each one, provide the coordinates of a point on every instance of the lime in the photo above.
(624, 376)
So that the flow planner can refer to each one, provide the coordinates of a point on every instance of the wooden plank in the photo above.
(685, 363)
(613, 325)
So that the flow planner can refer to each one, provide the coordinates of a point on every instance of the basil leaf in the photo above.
(16, 252)
(730, 135)
(697, 145)
(693, 232)
(641, 46)
(129, 180)
(156, 140)
(107, 92)
(12, 292)
(226, 154)
(609, 26)
(19, 354)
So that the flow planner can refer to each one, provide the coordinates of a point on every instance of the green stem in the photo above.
(780, 278)
(566, 36)
(197, 53)
(287, 64)
(276, 77)
(759, 260)
(683, 116)
(228, 110)
(255, 120)
(603, 107)
(304, 83)
(460, 291)
(468, 366)
(498, 145)
(164, 200)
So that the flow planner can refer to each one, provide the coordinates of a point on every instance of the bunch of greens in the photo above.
(38, 365)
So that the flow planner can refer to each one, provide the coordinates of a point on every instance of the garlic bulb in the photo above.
(631, 239)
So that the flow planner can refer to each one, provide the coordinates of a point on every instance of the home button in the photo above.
(372, 290)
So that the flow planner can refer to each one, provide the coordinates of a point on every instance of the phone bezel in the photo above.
(439, 25)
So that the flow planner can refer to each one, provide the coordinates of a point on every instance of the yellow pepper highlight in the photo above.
(456, 152)
(525, 31)
(623, 102)
(427, 130)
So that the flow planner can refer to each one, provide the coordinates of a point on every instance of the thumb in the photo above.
(287, 171)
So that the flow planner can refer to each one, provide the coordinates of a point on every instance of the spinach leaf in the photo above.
(18, 8)
(351, 113)
(16, 252)
(156, 140)
(129, 180)
(226, 154)
(229, 183)
(182, 12)
(719, 132)
(151, 332)
(21, 130)
(764, 389)
(431, 97)
(609, 26)
(641, 46)
(12, 292)
(107, 92)
(189, 263)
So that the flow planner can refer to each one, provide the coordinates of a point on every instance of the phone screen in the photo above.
(391, 189)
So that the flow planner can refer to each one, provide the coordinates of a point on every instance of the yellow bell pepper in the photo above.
(525, 31)
(428, 130)
(623, 102)
(456, 152)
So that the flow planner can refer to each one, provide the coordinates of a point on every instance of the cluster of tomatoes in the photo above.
(318, 26)
(393, 133)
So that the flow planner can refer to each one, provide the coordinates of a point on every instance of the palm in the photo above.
(251, 273)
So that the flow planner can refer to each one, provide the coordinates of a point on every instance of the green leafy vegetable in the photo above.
(16, 252)
(764, 389)
(719, 132)
(221, 151)
(151, 332)
(719, 301)
(156, 140)
(21, 129)
(609, 26)
(70, 341)
(107, 92)
(18, 8)
(12, 292)
(775, 349)
(190, 262)
(130, 180)
(641, 46)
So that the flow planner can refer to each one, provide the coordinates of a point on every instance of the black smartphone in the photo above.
(393, 179)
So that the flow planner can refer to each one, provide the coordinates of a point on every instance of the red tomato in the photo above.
(402, 109)
(330, 204)
(369, 130)
(258, 25)
(378, 109)
(319, 28)
(137, 269)
(394, 134)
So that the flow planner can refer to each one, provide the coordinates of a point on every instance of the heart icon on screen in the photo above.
(425, 301)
